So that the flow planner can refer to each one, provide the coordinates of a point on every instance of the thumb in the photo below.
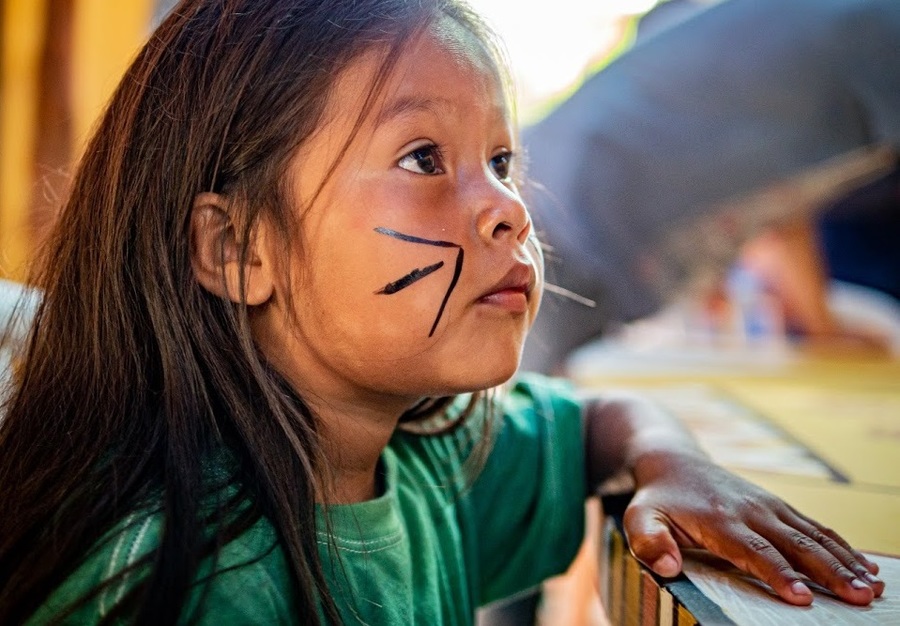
(651, 540)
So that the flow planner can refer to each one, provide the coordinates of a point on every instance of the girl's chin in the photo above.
(481, 380)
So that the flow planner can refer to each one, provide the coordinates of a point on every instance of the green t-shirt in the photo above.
(430, 550)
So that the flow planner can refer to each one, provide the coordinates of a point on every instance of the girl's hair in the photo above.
(134, 375)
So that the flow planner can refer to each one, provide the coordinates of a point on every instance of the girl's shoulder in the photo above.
(110, 569)
(122, 559)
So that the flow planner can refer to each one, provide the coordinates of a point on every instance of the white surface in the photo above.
(749, 602)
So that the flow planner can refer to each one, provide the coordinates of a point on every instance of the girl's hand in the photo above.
(686, 500)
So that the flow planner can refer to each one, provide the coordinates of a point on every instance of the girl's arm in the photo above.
(683, 499)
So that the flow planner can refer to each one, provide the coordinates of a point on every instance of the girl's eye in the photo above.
(425, 160)
(501, 164)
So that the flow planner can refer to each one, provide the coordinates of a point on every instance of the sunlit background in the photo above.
(554, 45)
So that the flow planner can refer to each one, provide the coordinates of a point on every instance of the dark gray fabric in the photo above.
(723, 103)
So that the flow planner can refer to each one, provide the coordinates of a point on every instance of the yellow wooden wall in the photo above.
(48, 108)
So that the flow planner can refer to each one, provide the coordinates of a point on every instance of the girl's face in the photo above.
(418, 273)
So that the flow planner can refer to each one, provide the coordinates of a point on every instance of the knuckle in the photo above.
(825, 538)
(759, 545)
(804, 543)
(785, 571)
(751, 503)
(837, 568)
(828, 532)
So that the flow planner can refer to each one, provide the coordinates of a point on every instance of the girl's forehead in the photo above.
(462, 45)
(449, 53)
(445, 58)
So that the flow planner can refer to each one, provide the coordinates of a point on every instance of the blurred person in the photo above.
(853, 240)
(639, 171)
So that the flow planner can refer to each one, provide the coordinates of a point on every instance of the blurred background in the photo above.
(61, 59)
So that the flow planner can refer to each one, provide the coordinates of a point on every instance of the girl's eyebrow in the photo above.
(413, 104)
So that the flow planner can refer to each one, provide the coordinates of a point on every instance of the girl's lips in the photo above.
(512, 291)
(514, 299)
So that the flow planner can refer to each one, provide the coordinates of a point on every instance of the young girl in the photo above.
(293, 255)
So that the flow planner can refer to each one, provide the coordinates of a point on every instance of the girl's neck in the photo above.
(353, 439)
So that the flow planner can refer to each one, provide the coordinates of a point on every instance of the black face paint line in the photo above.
(420, 273)
(456, 272)
(402, 283)
(412, 239)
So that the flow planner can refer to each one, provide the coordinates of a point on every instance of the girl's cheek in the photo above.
(424, 274)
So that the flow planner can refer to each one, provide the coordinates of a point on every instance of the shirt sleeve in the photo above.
(527, 505)
(254, 593)
(250, 584)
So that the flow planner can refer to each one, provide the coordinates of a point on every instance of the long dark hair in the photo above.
(133, 374)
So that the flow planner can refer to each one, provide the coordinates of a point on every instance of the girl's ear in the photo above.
(216, 253)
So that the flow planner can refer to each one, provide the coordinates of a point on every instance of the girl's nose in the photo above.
(503, 216)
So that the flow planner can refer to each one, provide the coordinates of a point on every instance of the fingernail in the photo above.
(666, 565)
(872, 578)
(800, 589)
(856, 583)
